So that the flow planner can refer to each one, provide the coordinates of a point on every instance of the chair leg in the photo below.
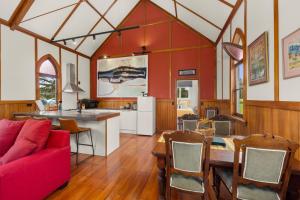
(77, 149)
(92, 142)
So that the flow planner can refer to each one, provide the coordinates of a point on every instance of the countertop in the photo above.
(85, 115)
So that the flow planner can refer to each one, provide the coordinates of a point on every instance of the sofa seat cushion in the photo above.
(9, 131)
(36, 131)
(187, 183)
(247, 192)
(20, 149)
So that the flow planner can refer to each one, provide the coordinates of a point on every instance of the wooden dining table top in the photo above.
(218, 157)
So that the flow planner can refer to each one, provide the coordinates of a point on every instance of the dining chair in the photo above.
(72, 126)
(189, 125)
(222, 128)
(211, 112)
(187, 163)
(264, 171)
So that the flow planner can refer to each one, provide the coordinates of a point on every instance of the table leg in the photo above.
(161, 163)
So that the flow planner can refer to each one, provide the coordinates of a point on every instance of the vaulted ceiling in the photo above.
(62, 19)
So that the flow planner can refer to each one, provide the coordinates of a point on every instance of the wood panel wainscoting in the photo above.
(7, 108)
(273, 117)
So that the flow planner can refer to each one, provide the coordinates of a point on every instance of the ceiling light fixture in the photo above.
(65, 42)
(94, 37)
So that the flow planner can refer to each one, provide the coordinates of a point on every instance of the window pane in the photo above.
(48, 89)
(184, 93)
(239, 88)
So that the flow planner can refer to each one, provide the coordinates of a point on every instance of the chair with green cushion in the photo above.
(189, 125)
(265, 170)
(187, 163)
(222, 128)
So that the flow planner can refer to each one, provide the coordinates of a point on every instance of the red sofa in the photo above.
(36, 176)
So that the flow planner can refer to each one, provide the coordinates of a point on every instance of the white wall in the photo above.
(226, 67)
(84, 76)
(288, 22)
(260, 18)
(69, 99)
(17, 65)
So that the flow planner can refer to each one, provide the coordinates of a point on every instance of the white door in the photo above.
(145, 123)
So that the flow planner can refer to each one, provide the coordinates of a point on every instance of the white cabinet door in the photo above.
(128, 121)
(146, 124)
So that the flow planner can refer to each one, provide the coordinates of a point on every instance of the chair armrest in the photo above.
(58, 139)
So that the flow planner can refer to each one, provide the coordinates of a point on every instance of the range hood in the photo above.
(71, 86)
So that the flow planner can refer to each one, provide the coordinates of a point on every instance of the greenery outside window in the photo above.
(48, 83)
(238, 89)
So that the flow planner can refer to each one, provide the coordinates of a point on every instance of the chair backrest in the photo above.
(21, 118)
(204, 124)
(189, 125)
(69, 125)
(40, 118)
(211, 112)
(266, 162)
(222, 128)
(187, 153)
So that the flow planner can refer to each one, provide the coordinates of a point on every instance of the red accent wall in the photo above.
(179, 48)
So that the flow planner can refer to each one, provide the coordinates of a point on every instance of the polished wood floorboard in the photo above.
(129, 173)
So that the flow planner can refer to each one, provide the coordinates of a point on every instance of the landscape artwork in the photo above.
(122, 77)
(258, 60)
(291, 55)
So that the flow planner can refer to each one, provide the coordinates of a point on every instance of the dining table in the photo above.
(220, 156)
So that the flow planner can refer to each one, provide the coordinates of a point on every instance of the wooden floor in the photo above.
(130, 173)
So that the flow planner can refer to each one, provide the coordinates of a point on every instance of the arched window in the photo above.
(47, 81)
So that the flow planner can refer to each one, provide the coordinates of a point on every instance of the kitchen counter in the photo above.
(85, 115)
(105, 126)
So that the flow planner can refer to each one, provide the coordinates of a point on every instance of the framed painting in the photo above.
(258, 60)
(122, 77)
(291, 55)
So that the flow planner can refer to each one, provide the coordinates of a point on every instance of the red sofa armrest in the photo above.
(58, 139)
(36, 176)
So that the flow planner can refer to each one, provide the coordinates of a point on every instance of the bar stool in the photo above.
(72, 126)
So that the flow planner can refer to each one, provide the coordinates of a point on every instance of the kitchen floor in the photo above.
(128, 173)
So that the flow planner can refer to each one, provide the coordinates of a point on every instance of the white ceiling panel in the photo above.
(167, 5)
(198, 24)
(53, 21)
(71, 44)
(89, 46)
(213, 10)
(120, 10)
(40, 7)
(80, 23)
(7, 8)
(101, 5)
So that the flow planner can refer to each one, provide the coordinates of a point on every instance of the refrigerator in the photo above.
(146, 116)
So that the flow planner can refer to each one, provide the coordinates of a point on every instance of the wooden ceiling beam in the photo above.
(19, 13)
(67, 19)
(229, 19)
(101, 17)
(175, 6)
(203, 18)
(52, 11)
(226, 3)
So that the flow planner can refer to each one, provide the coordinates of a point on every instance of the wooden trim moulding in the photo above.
(283, 105)
(17, 102)
(276, 50)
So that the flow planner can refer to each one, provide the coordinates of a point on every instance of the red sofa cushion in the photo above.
(9, 131)
(36, 131)
(20, 149)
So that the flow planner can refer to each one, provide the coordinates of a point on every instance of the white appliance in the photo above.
(146, 107)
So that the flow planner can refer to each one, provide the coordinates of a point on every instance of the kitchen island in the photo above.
(105, 127)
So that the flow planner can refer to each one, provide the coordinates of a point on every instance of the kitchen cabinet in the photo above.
(128, 121)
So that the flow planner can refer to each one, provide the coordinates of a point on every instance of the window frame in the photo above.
(238, 38)
(57, 67)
